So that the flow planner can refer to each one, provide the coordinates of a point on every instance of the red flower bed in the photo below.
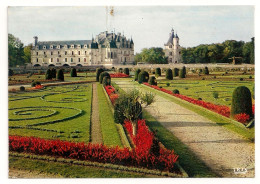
(118, 75)
(143, 142)
(111, 93)
(220, 109)
(38, 87)
(242, 118)
(92, 152)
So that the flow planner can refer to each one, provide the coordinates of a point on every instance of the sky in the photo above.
(149, 26)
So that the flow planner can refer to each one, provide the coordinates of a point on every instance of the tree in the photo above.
(169, 75)
(15, 51)
(158, 71)
(27, 53)
(73, 72)
(154, 55)
(143, 77)
(60, 75)
(126, 71)
(10, 72)
(48, 75)
(53, 73)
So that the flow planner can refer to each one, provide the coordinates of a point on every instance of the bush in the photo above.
(48, 75)
(143, 77)
(120, 70)
(241, 102)
(175, 72)
(182, 74)
(168, 84)
(22, 88)
(53, 73)
(98, 72)
(118, 114)
(184, 70)
(206, 71)
(73, 72)
(106, 81)
(169, 75)
(137, 73)
(147, 98)
(126, 71)
(10, 72)
(158, 71)
(35, 83)
(199, 98)
(152, 81)
(60, 75)
(250, 77)
(241, 79)
(215, 95)
(203, 78)
(102, 75)
(176, 91)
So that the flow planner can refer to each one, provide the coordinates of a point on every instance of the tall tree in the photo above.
(15, 51)
(154, 55)
(27, 53)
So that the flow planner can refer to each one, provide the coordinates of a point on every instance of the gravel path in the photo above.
(17, 173)
(220, 149)
(96, 135)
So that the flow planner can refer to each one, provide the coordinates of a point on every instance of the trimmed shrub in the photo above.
(60, 75)
(120, 70)
(152, 81)
(126, 71)
(106, 81)
(175, 72)
(206, 71)
(169, 74)
(168, 84)
(176, 91)
(241, 79)
(22, 88)
(250, 77)
(118, 114)
(10, 72)
(73, 72)
(158, 71)
(98, 72)
(48, 75)
(53, 73)
(102, 75)
(241, 102)
(184, 70)
(137, 73)
(182, 74)
(35, 83)
(143, 77)
(215, 95)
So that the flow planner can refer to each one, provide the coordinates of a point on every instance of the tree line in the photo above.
(18, 54)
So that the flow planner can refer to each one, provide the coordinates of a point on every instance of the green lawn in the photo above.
(61, 112)
(110, 134)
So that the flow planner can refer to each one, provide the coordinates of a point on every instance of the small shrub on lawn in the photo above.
(199, 98)
(152, 81)
(35, 83)
(168, 84)
(203, 78)
(98, 72)
(60, 75)
(126, 71)
(169, 75)
(206, 71)
(73, 72)
(241, 79)
(250, 77)
(215, 95)
(137, 73)
(176, 91)
(241, 102)
(22, 88)
(10, 72)
(143, 77)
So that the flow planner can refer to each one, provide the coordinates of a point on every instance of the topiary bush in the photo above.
(126, 71)
(206, 71)
(241, 102)
(102, 75)
(22, 88)
(184, 70)
(152, 81)
(167, 84)
(48, 75)
(98, 72)
(73, 72)
(106, 81)
(176, 91)
(143, 77)
(137, 73)
(169, 75)
(175, 72)
(158, 71)
(182, 74)
(60, 75)
(10, 72)
(120, 70)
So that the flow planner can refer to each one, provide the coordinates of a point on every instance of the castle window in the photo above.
(51, 59)
(58, 60)
(79, 59)
(58, 52)
(170, 46)
(72, 53)
(65, 46)
(79, 46)
(71, 59)
(44, 53)
(85, 60)
(37, 53)
(66, 60)
(51, 47)
(79, 52)
(85, 46)
(72, 46)
(65, 52)
(170, 53)
(58, 46)
(44, 47)
(37, 60)
(51, 53)
(85, 52)
(179, 52)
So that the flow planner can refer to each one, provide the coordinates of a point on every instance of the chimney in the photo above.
(35, 40)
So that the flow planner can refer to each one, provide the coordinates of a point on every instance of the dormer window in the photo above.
(72, 46)
(79, 46)
(44, 47)
(85, 46)
(65, 46)
(51, 46)
(58, 46)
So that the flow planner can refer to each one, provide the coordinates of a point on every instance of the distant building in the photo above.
(172, 49)
(105, 49)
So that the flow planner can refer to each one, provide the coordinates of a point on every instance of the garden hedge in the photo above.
(143, 77)
(169, 75)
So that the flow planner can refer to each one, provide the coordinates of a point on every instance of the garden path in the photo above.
(220, 149)
(96, 135)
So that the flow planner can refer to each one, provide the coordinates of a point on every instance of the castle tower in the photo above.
(172, 48)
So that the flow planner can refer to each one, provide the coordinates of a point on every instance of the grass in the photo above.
(108, 127)
(188, 160)
(68, 170)
(75, 129)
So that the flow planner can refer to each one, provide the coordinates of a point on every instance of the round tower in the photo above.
(176, 50)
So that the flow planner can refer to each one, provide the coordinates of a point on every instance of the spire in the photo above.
(92, 38)
(172, 30)
(131, 42)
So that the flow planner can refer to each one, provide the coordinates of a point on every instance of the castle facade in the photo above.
(172, 49)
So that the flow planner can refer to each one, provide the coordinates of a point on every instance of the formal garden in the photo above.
(93, 123)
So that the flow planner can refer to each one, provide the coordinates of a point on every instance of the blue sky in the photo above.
(148, 25)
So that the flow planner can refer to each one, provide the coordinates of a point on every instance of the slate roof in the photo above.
(62, 43)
